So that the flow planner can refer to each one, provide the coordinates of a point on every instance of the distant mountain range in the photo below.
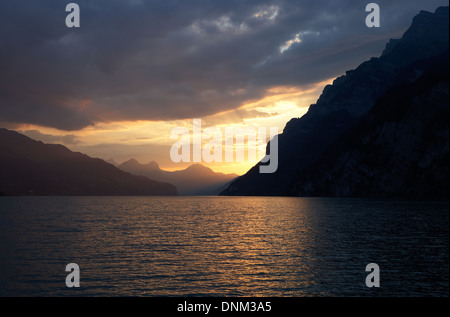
(29, 167)
(381, 130)
(195, 180)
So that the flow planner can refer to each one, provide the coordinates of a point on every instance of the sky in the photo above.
(116, 86)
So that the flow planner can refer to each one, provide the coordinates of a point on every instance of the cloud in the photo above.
(68, 139)
(176, 59)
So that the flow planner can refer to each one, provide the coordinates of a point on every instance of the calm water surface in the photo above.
(220, 246)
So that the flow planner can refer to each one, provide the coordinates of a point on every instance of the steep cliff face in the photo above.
(342, 104)
(426, 37)
(399, 149)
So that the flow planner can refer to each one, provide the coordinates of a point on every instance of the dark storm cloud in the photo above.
(175, 59)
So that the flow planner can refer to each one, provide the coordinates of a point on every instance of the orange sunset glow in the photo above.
(148, 141)
(248, 150)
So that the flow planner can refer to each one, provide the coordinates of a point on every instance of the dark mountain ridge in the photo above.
(341, 105)
(399, 149)
(29, 167)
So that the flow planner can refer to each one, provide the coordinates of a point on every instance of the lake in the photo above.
(222, 246)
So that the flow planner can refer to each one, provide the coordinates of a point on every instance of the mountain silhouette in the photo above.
(195, 180)
(399, 149)
(29, 167)
(310, 146)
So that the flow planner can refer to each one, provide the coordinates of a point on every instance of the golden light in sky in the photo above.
(148, 141)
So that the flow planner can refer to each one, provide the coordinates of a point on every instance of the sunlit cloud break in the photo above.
(228, 146)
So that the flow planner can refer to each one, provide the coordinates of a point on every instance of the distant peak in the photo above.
(133, 164)
(132, 161)
(199, 167)
(153, 165)
(426, 37)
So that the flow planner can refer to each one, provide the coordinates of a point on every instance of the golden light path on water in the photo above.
(222, 246)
